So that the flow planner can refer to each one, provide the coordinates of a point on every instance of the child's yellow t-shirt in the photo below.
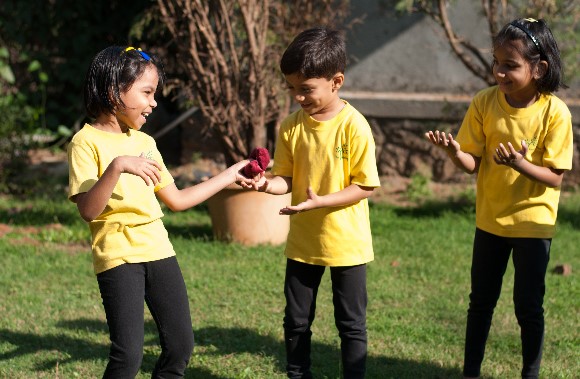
(129, 230)
(328, 156)
(508, 204)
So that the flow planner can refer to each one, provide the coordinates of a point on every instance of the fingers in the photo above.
(147, 169)
(439, 138)
(506, 156)
(289, 210)
(151, 174)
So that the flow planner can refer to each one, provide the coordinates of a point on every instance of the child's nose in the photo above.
(153, 103)
(299, 97)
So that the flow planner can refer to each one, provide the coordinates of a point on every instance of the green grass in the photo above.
(53, 325)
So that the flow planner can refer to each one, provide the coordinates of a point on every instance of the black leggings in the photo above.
(490, 258)
(349, 296)
(124, 290)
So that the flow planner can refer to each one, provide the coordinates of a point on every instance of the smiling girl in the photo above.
(116, 175)
(517, 137)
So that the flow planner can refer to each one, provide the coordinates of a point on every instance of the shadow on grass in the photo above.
(188, 231)
(30, 216)
(569, 216)
(73, 349)
(227, 341)
(433, 208)
(325, 358)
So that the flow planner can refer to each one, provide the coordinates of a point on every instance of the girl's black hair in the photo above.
(315, 53)
(538, 44)
(112, 72)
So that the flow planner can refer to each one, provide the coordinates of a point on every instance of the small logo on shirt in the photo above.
(341, 152)
(531, 142)
(148, 155)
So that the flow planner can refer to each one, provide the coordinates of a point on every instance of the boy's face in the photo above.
(317, 96)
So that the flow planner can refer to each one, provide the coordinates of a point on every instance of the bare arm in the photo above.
(349, 195)
(548, 176)
(274, 185)
(179, 200)
(92, 203)
(464, 161)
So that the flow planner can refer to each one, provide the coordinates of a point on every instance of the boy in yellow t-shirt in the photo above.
(325, 156)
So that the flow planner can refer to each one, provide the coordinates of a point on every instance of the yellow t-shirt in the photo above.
(508, 204)
(328, 156)
(130, 229)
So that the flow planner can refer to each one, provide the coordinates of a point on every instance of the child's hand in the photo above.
(445, 142)
(311, 202)
(509, 156)
(237, 170)
(146, 169)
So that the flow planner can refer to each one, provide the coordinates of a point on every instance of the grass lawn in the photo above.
(53, 325)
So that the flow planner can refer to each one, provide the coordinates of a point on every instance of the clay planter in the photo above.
(248, 217)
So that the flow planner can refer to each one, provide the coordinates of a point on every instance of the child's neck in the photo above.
(522, 101)
(331, 110)
(109, 124)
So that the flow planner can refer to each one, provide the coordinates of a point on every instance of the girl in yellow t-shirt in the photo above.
(115, 174)
(517, 137)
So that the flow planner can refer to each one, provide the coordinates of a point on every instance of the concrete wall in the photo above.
(405, 79)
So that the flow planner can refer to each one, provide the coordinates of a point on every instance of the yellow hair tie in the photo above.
(143, 54)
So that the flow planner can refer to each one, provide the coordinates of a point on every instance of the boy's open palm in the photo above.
(311, 202)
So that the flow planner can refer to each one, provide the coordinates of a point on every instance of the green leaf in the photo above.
(7, 74)
(43, 76)
(34, 65)
(64, 131)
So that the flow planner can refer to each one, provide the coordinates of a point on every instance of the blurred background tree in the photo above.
(563, 17)
(227, 53)
(46, 47)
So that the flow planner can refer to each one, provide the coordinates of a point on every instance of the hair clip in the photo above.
(143, 54)
(527, 31)
(531, 19)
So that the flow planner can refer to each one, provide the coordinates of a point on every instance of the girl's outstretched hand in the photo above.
(509, 156)
(146, 169)
(239, 178)
(311, 202)
(443, 141)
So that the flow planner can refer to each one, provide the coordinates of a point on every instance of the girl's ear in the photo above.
(337, 81)
(541, 70)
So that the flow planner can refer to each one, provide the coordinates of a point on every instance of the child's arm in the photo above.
(465, 161)
(349, 195)
(274, 185)
(548, 176)
(179, 200)
(92, 203)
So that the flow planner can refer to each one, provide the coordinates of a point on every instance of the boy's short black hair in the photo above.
(112, 72)
(315, 53)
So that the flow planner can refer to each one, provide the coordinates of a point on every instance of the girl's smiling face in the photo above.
(139, 100)
(317, 96)
(514, 74)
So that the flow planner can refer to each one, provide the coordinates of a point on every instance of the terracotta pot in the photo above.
(249, 217)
